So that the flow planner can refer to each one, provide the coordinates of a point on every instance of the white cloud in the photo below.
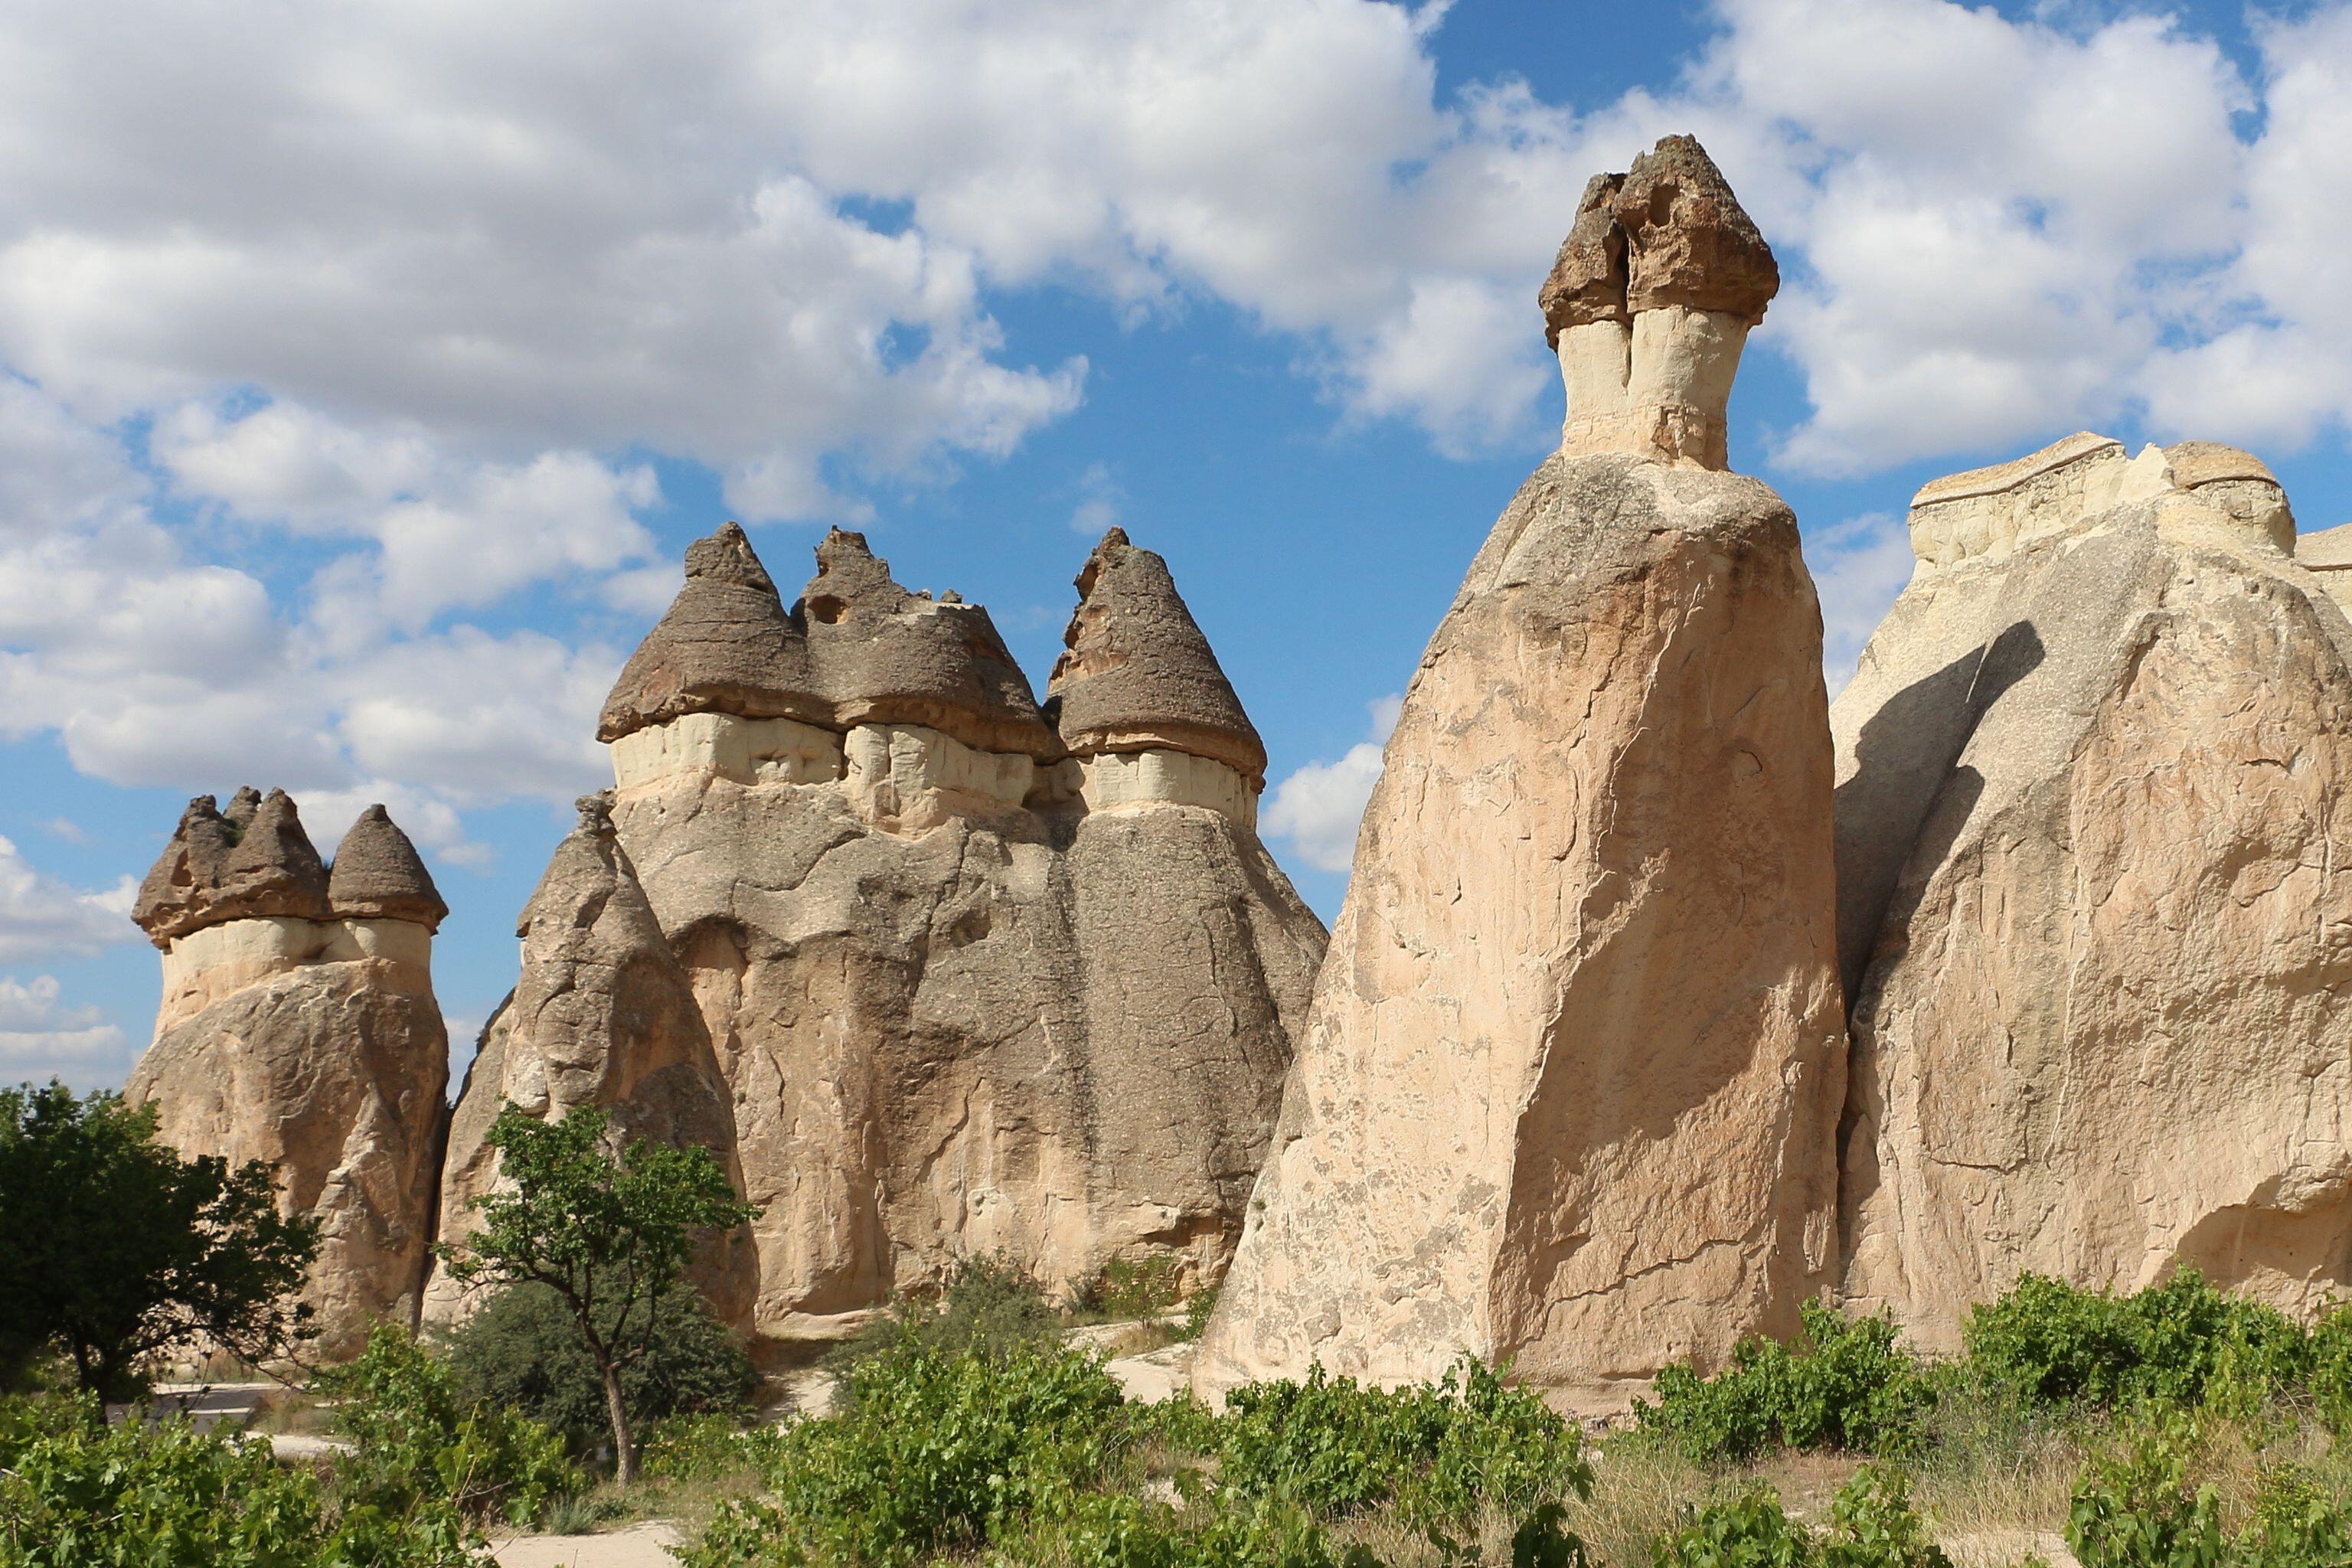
(42, 917)
(1319, 806)
(1099, 500)
(40, 1039)
(1858, 566)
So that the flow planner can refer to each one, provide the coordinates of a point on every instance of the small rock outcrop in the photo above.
(603, 1015)
(2098, 955)
(1569, 1093)
(976, 985)
(298, 1027)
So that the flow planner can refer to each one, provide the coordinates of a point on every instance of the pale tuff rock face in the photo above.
(2328, 555)
(298, 1027)
(969, 993)
(605, 1016)
(1569, 1088)
(1660, 279)
(2088, 781)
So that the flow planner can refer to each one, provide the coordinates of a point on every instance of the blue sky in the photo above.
(366, 371)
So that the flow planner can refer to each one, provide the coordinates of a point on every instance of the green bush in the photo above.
(1128, 1287)
(2294, 1525)
(932, 1453)
(2132, 1508)
(2178, 1342)
(1872, 1525)
(418, 1436)
(1842, 1384)
(523, 1352)
(77, 1494)
(1332, 1446)
(1118, 1530)
(709, 1446)
(989, 1307)
(1750, 1532)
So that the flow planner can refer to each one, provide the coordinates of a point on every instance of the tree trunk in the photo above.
(624, 1446)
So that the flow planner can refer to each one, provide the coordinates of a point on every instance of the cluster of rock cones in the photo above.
(1666, 996)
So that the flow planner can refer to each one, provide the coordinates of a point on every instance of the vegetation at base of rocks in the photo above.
(1129, 1287)
(990, 1306)
(418, 1435)
(76, 1493)
(1872, 1525)
(1846, 1384)
(1029, 1453)
(119, 1252)
(2042, 1350)
(522, 1351)
(608, 1234)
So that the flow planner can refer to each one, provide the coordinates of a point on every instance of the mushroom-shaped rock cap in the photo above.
(725, 644)
(253, 861)
(274, 869)
(1135, 673)
(1668, 231)
(378, 875)
(886, 655)
(2195, 463)
(1587, 279)
(178, 891)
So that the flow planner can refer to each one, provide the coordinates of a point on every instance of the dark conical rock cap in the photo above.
(1135, 673)
(1667, 232)
(252, 862)
(887, 655)
(1587, 279)
(378, 875)
(274, 869)
(178, 891)
(725, 645)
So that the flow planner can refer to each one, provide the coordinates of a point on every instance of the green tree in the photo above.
(609, 1236)
(119, 1250)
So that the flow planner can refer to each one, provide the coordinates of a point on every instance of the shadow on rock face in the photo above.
(1904, 775)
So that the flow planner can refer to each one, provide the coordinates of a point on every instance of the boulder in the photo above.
(2096, 949)
(1569, 1092)
(301, 1031)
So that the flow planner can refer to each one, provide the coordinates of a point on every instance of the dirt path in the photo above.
(639, 1546)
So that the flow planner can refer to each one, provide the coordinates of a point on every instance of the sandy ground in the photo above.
(639, 1546)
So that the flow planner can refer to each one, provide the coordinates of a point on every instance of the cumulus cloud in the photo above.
(1858, 566)
(330, 337)
(42, 917)
(1319, 806)
(39, 1038)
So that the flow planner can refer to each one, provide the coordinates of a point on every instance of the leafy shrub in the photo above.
(707, 1447)
(417, 1436)
(932, 1453)
(77, 1494)
(1128, 1287)
(2132, 1508)
(1872, 1525)
(2177, 1342)
(1749, 1531)
(1118, 1530)
(1332, 1446)
(523, 1352)
(1842, 1384)
(2330, 1376)
(2294, 1525)
(1199, 1307)
(989, 1307)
